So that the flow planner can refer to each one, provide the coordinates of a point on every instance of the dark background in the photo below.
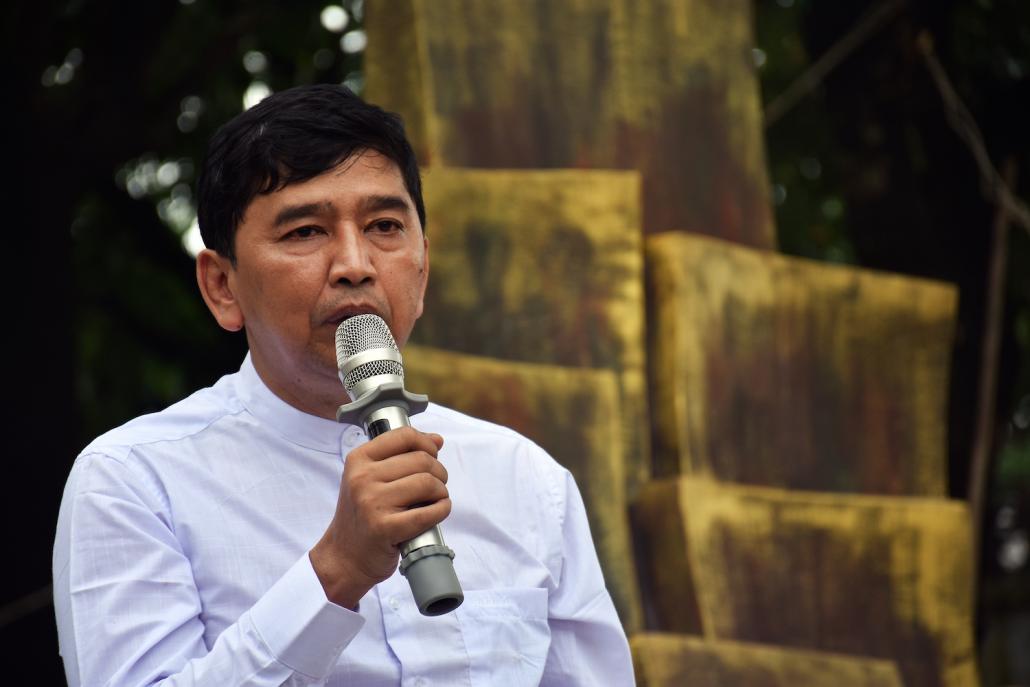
(110, 106)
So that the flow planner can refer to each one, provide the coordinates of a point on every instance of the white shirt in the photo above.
(181, 558)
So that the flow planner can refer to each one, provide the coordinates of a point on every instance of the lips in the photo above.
(342, 313)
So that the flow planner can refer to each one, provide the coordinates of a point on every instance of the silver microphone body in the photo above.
(372, 372)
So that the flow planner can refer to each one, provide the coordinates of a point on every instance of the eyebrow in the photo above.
(378, 203)
(291, 213)
(373, 203)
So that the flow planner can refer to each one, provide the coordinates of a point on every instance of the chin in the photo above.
(321, 362)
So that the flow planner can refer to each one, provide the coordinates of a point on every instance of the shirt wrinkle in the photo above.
(98, 447)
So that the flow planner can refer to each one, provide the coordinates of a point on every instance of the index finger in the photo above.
(402, 440)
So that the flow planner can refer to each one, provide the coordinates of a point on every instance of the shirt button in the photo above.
(352, 437)
(395, 604)
(421, 682)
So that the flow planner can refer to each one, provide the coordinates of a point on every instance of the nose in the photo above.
(351, 259)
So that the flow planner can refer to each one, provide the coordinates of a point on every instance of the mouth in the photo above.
(348, 311)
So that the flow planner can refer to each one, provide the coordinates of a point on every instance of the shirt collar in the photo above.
(294, 425)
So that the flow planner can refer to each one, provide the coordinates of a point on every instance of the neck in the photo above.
(318, 395)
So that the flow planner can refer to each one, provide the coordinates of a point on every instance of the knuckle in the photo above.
(428, 483)
(364, 504)
(356, 478)
(357, 456)
(362, 484)
(358, 470)
(425, 518)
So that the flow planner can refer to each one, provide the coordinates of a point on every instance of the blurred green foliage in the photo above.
(803, 155)
(144, 337)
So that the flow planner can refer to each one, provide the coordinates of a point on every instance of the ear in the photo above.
(424, 272)
(214, 274)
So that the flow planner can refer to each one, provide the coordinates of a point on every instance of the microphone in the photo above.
(372, 373)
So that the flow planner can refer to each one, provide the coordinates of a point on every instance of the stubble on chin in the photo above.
(320, 381)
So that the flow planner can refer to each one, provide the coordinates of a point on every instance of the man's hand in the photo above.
(393, 489)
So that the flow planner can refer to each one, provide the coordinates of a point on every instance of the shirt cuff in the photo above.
(301, 627)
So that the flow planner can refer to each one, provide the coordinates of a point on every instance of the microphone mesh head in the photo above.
(364, 333)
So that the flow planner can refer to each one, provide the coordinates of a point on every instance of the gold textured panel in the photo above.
(666, 660)
(878, 576)
(667, 87)
(543, 267)
(663, 558)
(567, 411)
(780, 371)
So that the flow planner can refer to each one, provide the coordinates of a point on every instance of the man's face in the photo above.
(314, 253)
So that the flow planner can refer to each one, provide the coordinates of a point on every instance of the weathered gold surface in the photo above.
(669, 589)
(665, 660)
(543, 267)
(567, 411)
(779, 371)
(666, 87)
(884, 577)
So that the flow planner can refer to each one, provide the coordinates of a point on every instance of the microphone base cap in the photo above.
(432, 580)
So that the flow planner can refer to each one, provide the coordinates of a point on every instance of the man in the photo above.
(243, 537)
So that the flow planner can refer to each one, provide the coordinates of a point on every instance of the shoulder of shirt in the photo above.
(453, 419)
(186, 418)
(447, 421)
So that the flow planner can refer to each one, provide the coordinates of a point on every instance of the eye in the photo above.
(305, 232)
(385, 226)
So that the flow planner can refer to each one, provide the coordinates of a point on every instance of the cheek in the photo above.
(281, 293)
(413, 276)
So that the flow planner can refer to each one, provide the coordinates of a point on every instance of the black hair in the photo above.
(290, 137)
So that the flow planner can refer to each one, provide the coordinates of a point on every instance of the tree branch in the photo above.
(828, 61)
(992, 184)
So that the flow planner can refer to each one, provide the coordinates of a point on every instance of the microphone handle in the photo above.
(426, 561)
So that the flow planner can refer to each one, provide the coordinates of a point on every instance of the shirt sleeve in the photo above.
(129, 613)
(588, 645)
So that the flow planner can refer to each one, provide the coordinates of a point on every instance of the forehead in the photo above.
(348, 186)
